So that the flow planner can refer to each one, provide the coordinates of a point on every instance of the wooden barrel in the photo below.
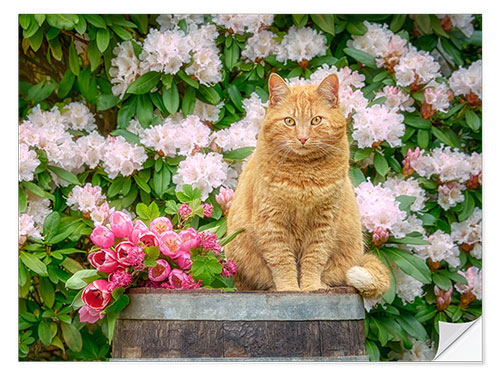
(206, 325)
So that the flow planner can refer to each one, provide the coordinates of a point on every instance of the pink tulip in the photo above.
(139, 228)
(120, 224)
(89, 315)
(178, 278)
(184, 260)
(149, 239)
(160, 272)
(126, 253)
(104, 260)
(160, 225)
(190, 239)
(102, 237)
(170, 244)
(97, 295)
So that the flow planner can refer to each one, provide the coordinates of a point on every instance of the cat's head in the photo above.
(304, 118)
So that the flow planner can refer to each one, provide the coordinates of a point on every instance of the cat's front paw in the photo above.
(313, 287)
(360, 278)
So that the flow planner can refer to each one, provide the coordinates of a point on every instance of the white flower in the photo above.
(437, 95)
(27, 229)
(377, 123)
(463, 22)
(407, 287)
(416, 67)
(204, 171)
(28, 162)
(85, 199)
(241, 23)
(474, 282)
(441, 248)
(192, 135)
(79, 117)
(396, 99)
(92, 148)
(100, 214)
(28, 134)
(121, 157)
(468, 231)
(38, 208)
(450, 194)
(207, 112)
(125, 68)
(301, 44)
(465, 81)
(410, 187)
(260, 45)
(170, 21)
(162, 137)
(206, 66)
(420, 351)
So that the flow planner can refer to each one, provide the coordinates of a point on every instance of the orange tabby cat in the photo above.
(296, 201)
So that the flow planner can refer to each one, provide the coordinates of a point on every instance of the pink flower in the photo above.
(224, 198)
(160, 225)
(102, 237)
(119, 278)
(209, 241)
(184, 260)
(410, 157)
(97, 295)
(120, 224)
(89, 315)
(207, 209)
(190, 239)
(380, 236)
(160, 272)
(184, 211)
(180, 280)
(443, 298)
(474, 282)
(170, 244)
(104, 260)
(139, 228)
(128, 254)
(228, 268)
(149, 239)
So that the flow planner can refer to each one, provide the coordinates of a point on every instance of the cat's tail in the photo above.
(370, 277)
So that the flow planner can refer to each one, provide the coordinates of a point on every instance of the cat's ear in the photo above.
(278, 89)
(329, 89)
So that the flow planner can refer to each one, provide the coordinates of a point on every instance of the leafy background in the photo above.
(52, 73)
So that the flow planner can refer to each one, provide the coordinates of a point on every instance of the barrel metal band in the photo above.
(244, 307)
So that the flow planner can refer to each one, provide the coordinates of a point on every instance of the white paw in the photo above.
(359, 278)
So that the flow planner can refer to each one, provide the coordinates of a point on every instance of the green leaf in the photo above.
(72, 336)
(129, 137)
(411, 325)
(209, 94)
(235, 95)
(74, 64)
(106, 101)
(362, 154)
(205, 268)
(232, 236)
(188, 101)
(33, 263)
(397, 22)
(78, 280)
(96, 20)
(455, 276)
(300, 20)
(144, 83)
(356, 28)
(231, 56)
(423, 137)
(325, 22)
(161, 180)
(141, 20)
(357, 176)
(171, 99)
(122, 302)
(441, 281)
(423, 22)
(62, 21)
(35, 189)
(238, 154)
(144, 110)
(121, 32)
(380, 164)
(405, 202)
(436, 26)
(55, 47)
(409, 240)
(36, 40)
(51, 225)
(372, 351)
(66, 84)
(110, 320)
(103, 37)
(417, 122)
(190, 81)
(25, 20)
(467, 207)
(472, 120)
(143, 185)
(23, 274)
(362, 57)
(23, 203)
(442, 136)
(451, 50)
(44, 332)
(47, 292)
(64, 174)
(409, 264)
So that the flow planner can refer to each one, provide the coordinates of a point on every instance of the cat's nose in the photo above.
(303, 140)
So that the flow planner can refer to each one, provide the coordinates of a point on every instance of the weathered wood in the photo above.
(274, 338)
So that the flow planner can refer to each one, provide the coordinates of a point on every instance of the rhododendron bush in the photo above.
(133, 130)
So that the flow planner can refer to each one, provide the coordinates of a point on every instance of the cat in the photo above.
(296, 202)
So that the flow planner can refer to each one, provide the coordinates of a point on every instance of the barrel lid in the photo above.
(339, 303)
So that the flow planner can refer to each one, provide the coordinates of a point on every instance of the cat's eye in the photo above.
(289, 121)
(316, 120)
